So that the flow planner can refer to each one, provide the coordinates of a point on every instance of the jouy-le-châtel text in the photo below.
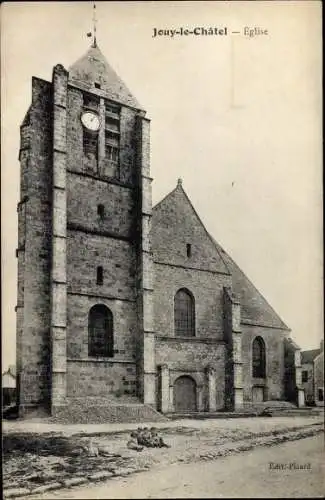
(247, 31)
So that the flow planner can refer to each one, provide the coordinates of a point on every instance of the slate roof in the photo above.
(254, 307)
(309, 356)
(93, 67)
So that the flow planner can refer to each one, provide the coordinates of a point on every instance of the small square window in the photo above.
(97, 85)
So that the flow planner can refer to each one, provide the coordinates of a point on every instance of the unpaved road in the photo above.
(246, 475)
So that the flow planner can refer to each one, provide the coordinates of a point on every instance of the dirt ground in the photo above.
(248, 475)
(35, 459)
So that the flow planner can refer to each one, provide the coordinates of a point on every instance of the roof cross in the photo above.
(94, 25)
(94, 32)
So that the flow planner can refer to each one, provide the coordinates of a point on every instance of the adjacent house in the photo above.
(319, 377)
(308, 373)
(9, 386)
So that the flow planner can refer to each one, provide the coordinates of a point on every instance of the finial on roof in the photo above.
(179, 183)
(93, 33)
(95, 25)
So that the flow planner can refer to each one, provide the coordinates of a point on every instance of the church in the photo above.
(125, 310)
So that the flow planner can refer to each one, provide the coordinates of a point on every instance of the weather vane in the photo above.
(93, 33)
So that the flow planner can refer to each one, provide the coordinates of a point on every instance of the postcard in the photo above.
(162, 249)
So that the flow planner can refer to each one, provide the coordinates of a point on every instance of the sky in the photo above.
(238, 118)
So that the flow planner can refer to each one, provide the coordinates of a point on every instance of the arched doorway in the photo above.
(185, 394)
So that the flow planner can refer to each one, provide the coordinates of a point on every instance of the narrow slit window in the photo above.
(189, 250)
(101, 211)
(100, 277)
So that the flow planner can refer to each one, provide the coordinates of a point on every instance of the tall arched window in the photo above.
(184, 314)
(100, 332)
(258, 358)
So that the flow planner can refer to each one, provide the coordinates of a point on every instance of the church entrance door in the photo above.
(185, 394)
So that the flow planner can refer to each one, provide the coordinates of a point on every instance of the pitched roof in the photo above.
(309, 356)
(12, 369)
(254, 307)
(92, 67)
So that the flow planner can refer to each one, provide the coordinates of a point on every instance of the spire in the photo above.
(93, 71)
(92, 68)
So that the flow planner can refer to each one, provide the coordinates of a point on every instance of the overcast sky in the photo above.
(237, 118)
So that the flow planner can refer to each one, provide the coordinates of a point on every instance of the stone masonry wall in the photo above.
(86, 252)
(35, 339)
(101, 378)
(24, 155)
(176, 225)
(274, 345)
(207, 290)
(101, 240)
(100, 375)
(191, 357)
(84, 196)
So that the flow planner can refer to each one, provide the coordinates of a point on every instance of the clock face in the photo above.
(90, 120)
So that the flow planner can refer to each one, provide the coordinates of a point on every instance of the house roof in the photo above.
(11, 370)
(309, 356)
(93, 67)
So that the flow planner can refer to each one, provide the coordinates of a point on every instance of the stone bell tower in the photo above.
(85, 278)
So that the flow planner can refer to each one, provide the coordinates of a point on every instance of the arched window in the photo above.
(100, 332)
(258, 358)
(184, 314)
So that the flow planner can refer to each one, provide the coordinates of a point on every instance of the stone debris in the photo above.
(46, 487)
(148, 438)
(74, 481)
(105, 450)
(98, 476)
(122, 472)
(91, 449)
(16, 492)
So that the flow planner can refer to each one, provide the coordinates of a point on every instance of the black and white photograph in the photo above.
(162, 249)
